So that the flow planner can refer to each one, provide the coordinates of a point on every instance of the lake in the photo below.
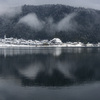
(49, 73)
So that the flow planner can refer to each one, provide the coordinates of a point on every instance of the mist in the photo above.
(65, 24)
(32, 21)
(8, 11)
(95, 4)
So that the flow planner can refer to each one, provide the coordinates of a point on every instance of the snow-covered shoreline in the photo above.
(56, 42)
(62, 45)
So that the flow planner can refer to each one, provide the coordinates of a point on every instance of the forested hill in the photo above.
(49, 21)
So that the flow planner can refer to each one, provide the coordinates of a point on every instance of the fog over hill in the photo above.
(50, 21)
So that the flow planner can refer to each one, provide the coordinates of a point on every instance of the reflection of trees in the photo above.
(50, 70)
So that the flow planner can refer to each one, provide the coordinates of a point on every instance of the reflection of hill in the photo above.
(45, 69)
(43, 79)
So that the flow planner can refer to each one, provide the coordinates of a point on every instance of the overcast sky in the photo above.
(78, 3)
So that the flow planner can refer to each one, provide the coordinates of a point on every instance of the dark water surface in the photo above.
(50, 74)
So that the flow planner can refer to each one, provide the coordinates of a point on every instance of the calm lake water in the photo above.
(50, 74)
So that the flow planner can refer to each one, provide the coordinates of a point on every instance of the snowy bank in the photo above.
(56, 42)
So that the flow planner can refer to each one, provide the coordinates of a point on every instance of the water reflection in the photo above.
(50, 66)
(49, 73)
(30, 50)
(41, 50)
(11, 91)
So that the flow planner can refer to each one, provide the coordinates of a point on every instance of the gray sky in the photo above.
(77, 3)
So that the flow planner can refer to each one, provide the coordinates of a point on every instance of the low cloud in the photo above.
(65, 24)
(77, 3)
(50, 26)
(32, 21)
(9, 11)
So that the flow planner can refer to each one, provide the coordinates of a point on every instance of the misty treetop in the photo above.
(50, 21)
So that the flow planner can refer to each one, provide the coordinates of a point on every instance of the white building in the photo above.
(55, 41)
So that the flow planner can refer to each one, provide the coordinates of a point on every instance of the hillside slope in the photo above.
(49, 21)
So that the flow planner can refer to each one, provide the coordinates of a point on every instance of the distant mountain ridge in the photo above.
(50, 21)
